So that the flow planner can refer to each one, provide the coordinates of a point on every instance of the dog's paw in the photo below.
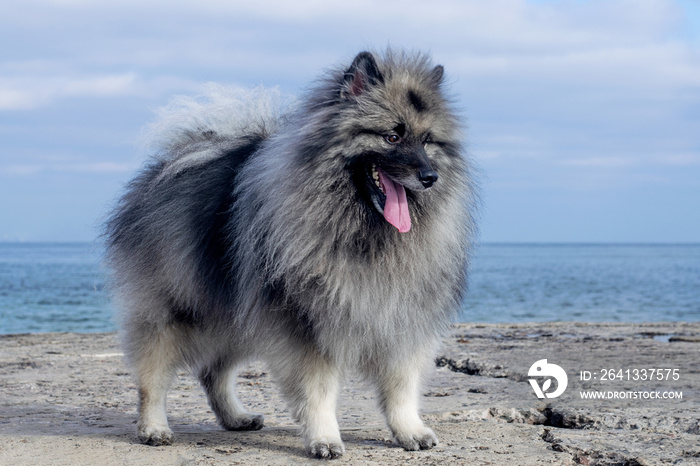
(248, 421)
(326, 449)
(155, 435)
(425, 439)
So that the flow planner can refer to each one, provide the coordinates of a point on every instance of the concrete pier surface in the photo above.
(632, 397)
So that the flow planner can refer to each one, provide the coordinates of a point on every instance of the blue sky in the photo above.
(583, 116)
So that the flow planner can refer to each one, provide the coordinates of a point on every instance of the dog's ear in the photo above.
(362, 74)
(437, 74)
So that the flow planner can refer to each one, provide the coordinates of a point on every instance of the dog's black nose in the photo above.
(427, 177)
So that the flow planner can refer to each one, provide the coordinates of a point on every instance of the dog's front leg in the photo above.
(398, 397)
(310, 383)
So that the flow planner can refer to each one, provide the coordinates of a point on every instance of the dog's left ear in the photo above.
(437, 74)
(362, 74)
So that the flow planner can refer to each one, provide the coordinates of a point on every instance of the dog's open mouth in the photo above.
(389, 197)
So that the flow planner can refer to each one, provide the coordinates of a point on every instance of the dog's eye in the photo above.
(392, 138)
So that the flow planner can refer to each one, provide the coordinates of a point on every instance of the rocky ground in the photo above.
(68, 399)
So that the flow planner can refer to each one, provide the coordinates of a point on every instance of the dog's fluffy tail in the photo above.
(190, 131)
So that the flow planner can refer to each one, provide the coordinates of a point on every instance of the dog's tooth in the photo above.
(375, 176)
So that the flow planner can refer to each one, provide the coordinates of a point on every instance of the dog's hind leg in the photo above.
(218, 379)
(399, 388)
(311, 383)
(155, 353)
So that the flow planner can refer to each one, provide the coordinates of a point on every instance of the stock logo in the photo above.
(543, 369)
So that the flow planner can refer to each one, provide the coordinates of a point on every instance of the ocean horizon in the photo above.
(60, 287)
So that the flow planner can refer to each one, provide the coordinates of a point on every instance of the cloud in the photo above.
(30, 91)
(610, 161)
(606, 162)
(550, 87)
(79, 167)
(533, 76)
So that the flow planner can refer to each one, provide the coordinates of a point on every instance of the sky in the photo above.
(583, 117)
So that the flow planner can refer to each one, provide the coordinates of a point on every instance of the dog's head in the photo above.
(397, 129)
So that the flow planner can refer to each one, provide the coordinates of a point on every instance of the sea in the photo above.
(60, 287)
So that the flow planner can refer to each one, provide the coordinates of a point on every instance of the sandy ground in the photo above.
(68, 399)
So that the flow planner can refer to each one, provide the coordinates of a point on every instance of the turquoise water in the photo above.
(572, 282)
(60, 287)
(52, 288)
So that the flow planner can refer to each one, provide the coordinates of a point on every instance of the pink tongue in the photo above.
(396, 206)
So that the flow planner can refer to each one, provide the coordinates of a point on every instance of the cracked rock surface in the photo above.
(68, 399)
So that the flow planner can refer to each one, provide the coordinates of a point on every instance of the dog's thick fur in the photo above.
(259, 232)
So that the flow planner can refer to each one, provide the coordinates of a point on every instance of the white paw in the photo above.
(155, 435)
(424, 439)
(326, 448)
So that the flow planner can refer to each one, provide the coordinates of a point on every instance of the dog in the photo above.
(325, 235)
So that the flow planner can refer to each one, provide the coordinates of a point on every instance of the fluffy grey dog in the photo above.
(328, 236)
